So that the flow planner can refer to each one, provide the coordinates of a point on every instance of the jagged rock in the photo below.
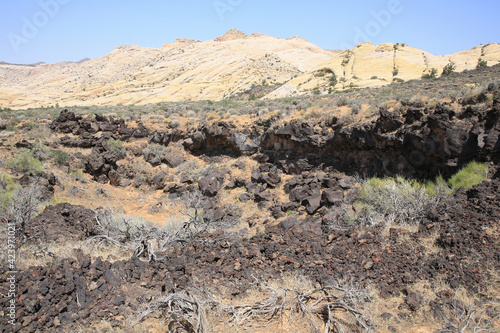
(91, 131)
(331, 196)
(245, 197)
(272, 178)
(62, 221)
(24, 144)
(263, 196)
(174, 158)
(312, 203)
(114, 178)
(388, 121)
(159, 181)
(211, 184)
(347, 183)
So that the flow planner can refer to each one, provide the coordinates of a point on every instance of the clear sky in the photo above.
(70, 30)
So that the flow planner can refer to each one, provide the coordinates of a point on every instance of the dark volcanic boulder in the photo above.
(332, 196)
(174, 157)
(211, 184)
(66, 122)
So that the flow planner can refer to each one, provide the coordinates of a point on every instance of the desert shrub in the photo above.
(137, 234)
(26, 203)
(439, 187)
(173, 123)
(481, 63)
(60, 157)
(459, 316)
(7, 190)
(41, 132)
(449, 69)
(431, 75)
(116, 147)
(371, 110)
(333, 80)
(25, 162)
(355, 107)
(304, 105)
(77, 176)
(125, 228)
(55, 200)
(400, 200)
(342, 101)
(190, 168)
(40, 151)
(154, 150)
(419, 100)
(472, 174)
(29, 125)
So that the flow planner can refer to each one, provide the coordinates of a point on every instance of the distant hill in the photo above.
(219, 68)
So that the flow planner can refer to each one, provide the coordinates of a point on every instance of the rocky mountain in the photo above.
(219, 68)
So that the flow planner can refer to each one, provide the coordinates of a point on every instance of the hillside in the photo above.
(257, 215)
(219, 68)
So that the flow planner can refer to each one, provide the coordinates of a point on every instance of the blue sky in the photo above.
(59, 30)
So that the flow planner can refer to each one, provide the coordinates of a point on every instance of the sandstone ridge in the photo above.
(219, 68)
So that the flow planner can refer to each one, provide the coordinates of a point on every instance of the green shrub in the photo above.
(449, 69)
(438, 187)
(78, 176)
(481, 63)
(174, 124)
(60, 157)
(153, 151)
(399, 200)
(431, 75)
(333, 80)
(7, 190)
(342, 101)
(40, 151)
(355, 107)
(25, 162)
(472, 174)
(116, 147)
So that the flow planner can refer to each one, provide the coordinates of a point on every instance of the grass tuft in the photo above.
(472, 174)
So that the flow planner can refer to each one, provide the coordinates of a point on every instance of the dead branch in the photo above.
(182, 309)
(337, 311)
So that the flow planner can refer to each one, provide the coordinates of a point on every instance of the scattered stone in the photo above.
(211, 184)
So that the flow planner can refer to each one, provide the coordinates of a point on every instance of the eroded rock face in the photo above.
(418, 142)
